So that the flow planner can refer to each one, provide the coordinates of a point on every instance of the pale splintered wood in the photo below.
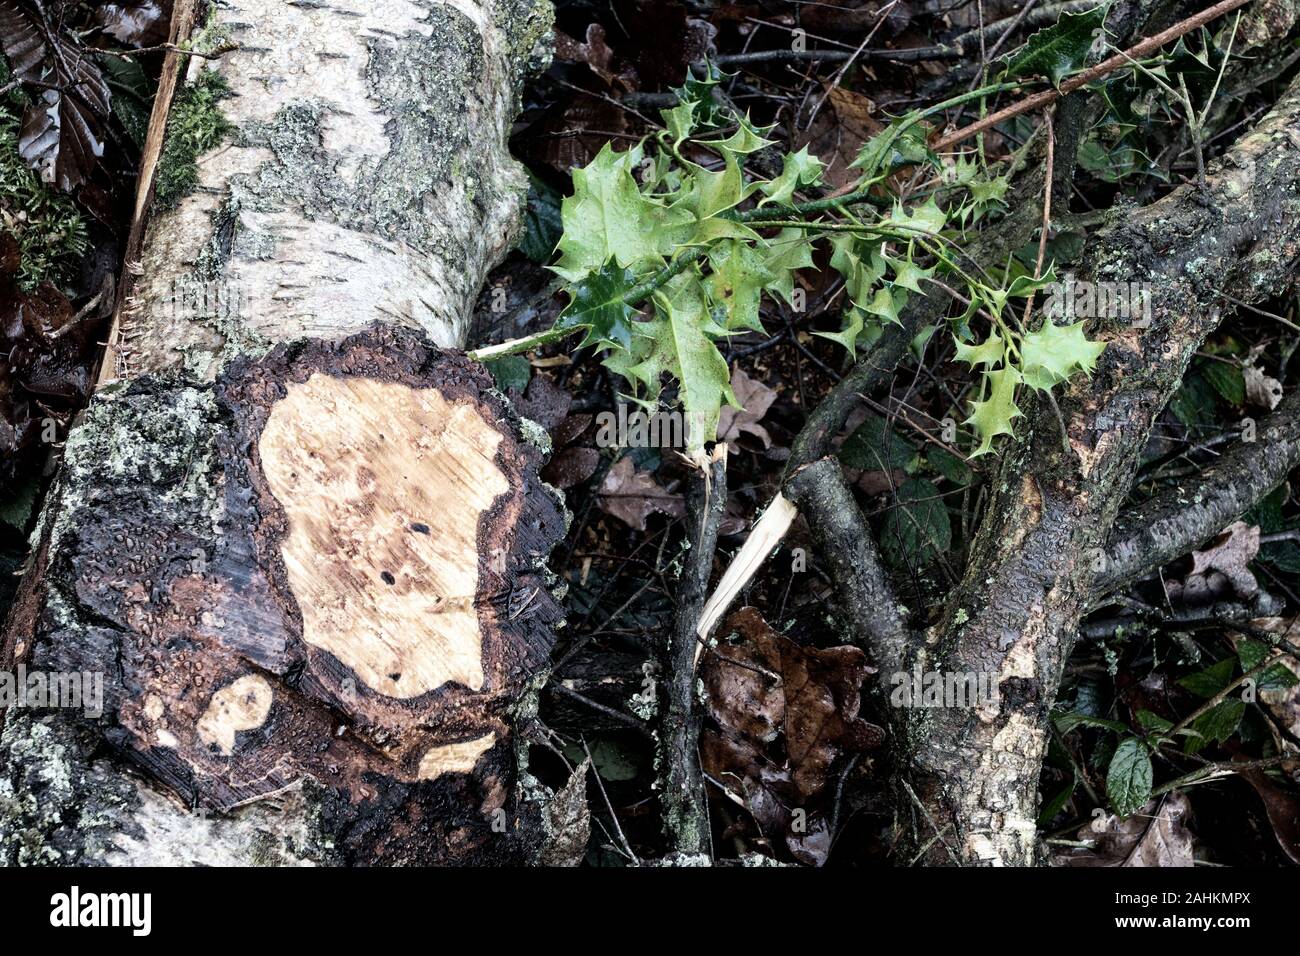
(383, 486)
(454, 758)
(767, 534)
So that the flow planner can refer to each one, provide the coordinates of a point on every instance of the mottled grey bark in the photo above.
(1196, 508)
(367, 182)
(1031, 571)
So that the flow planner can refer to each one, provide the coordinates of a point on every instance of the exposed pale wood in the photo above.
(365, 470)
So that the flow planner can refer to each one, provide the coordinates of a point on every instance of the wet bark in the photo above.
(1033, 563)
(301, 543)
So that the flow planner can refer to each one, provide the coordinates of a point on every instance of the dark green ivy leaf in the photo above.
(542, 224)
(917, 529)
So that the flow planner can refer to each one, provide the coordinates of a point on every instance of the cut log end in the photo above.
(328, 565)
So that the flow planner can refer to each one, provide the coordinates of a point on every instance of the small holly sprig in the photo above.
(650, 230)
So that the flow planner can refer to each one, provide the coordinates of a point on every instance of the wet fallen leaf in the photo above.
(62, 134)
(845, 121)
(1156, 835)
(1283, 811)
(755, 399)
(1262, 390)
(781, 715)
(1230, 554)
(594, 52)
(632, 496)
(1283, 702)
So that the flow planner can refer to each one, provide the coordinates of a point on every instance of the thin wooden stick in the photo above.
(1047, 97)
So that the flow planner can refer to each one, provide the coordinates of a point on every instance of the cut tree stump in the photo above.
(299, 534)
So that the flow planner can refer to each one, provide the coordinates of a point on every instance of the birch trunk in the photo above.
(302, 543)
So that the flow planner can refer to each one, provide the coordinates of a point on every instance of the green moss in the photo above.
(50, 230)
(195, 126)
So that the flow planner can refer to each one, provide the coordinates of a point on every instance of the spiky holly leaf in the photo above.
(901, 143)
(1052, 353)
(1058, 50)
(736, 281)
(848, 335)
(607, 217)
(747, 139)
(988, 353)
(680, 122)
(861, 265)
(799, 169)
(927, 219)
(678, 342)
(598, 306)
(993, 416)
(712, 193)
(788, 251)
(698, 92)
(886, 303)
(908, 275)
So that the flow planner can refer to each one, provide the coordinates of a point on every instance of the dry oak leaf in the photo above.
(782, 714)
(1230, 554)
(567, 822)
(632, 496)
(755, 399)
(1262, 390)
(1156, 835)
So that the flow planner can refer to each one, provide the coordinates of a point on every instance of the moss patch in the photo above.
(49, 228)
(196, 125)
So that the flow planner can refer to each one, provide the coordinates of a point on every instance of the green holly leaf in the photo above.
(715, 192)
(678, 342)
(698, 93)
(908, 275)
(993, 416)
(988, 353)
(901, 143)
(1052, 353)
(736, 282)
(680, 122)
(848, 335)
(1129, 777)
(597, 305)
(1058, 50)
(886, 303)
(786, 252)
(861, 266)
(608, 218)
(747, 139)
(798, 170)
(928, 219)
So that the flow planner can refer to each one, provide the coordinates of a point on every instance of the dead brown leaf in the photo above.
(1229, 554)
(781, 715)
(755, 399)
(1156, 835)
(632, 496)
(845, 121)
(1262, 390)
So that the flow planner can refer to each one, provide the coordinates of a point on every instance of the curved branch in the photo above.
(848, 548)
(1182, 517)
